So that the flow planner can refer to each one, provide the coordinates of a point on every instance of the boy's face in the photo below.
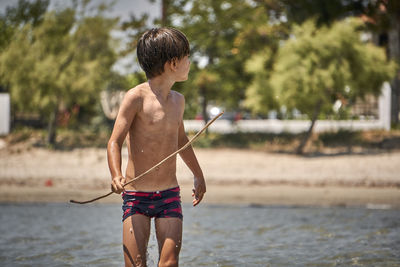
(182, 70)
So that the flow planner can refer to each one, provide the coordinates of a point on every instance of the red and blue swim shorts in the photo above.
(159, 204)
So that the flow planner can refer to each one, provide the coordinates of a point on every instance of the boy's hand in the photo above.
(117, 184)
(199, 190)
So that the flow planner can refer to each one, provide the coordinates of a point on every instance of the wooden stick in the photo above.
(158, 164)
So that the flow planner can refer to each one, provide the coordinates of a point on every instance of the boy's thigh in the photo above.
(136, 232)
(169, 236)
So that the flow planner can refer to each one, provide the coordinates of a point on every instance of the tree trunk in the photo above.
(203, 92)
(52, 127)
(317, 110)
(204, 103)
(394, 54)
(164, 12)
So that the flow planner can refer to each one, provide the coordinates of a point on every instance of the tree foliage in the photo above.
(324, 64)
(240, 50)
(16, 16)
(260, 96)
(318, 66)
(222, 34)
(381, 16)
(59, 64)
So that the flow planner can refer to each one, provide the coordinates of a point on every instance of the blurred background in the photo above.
(311, 94)
(66, 64)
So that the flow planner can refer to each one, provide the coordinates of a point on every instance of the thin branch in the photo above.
(158, 164)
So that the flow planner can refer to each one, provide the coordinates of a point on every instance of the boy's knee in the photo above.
(137, 262)
(168, 263)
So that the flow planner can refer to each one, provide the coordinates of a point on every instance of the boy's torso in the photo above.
(153, 135)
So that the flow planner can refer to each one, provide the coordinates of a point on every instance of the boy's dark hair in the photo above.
(158, 46)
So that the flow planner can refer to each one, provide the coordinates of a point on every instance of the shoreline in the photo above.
(233, 176)
(252, 195)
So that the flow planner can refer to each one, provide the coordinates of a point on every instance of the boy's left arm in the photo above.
(190, 160)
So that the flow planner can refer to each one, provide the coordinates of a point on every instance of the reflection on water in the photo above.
(90, 235)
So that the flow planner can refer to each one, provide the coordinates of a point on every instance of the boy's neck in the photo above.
(161, 86)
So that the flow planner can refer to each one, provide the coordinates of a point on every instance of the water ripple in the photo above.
(68, 235)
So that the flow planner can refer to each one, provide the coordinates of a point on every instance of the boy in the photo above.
(151, 117)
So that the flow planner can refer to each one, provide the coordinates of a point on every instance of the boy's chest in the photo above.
(158, 115)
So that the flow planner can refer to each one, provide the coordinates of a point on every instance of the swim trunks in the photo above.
(159, 204)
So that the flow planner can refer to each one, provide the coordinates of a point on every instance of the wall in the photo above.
(4, 114)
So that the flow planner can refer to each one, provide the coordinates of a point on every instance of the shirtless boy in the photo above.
(150, 119)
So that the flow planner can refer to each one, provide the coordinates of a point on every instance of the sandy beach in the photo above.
(233, 177)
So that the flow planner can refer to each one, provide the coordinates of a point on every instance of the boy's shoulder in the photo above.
(134, 97)
(177, 95)
(136, 93)
(140, 92)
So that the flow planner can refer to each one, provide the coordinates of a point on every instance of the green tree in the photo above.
(260, 96)
(381, 16)
(223, 35)
(61, 63)
(318, 66)
(385, 21)
(17, 16)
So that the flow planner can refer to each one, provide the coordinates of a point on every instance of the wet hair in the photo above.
(158, 46)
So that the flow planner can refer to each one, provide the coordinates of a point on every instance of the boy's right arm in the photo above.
(130, 105)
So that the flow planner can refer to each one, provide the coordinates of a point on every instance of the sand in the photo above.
(233, 177)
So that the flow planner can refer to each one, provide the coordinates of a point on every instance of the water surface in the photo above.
(90, 235)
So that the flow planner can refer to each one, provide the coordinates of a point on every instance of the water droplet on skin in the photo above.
(142, 150)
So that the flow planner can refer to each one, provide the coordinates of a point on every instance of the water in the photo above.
(90, 235)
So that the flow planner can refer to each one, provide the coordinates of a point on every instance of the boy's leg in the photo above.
(169, 237)
(136, 231)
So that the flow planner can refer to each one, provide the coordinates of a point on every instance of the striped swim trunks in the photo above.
(159, 204)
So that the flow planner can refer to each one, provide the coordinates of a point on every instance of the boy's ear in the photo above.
(173, 64)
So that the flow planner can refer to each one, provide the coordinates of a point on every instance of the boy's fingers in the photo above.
(197, 201)
(114, 188)
(117, 185)
(198, 196)
(200, 192)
